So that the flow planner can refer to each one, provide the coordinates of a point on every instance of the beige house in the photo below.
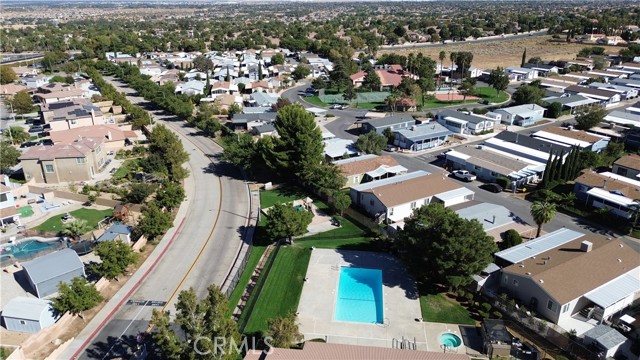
(627, 166)
(370, 167)
(78, 161)
(73, 114)
(115, 137)
(63, 95)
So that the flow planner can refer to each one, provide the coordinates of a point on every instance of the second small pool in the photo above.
(450, 340)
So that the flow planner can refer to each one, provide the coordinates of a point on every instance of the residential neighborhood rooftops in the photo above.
(108, 132)
(631, 161)
(571, 101)
(604, 94)
(391, 180)
(521, 109)
(364, 164)
(623, 118)
(528, 142)
(568, 136)
(490, 159)
(79, 148)
(430, 129)
(245, 118)
(605, 335)
(489, 215)
(52, 265)
(539, 245)
(567, 272)
(404, 190)
(612, 183)
(336, 147)
(324, 351)
(26, 308)
(474, 119)
(390, 120)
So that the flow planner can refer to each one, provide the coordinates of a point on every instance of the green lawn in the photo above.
(367, 105)
(25, 211)
(125, 169)
(315, 100)
(439, 308)
(252, 262)
(489, 94)
(92, 216)
(268, 198)
(281, 292)
(435, 104)
(349, 235)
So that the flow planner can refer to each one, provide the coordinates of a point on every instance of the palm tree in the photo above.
(75, 229)
(453, 57)
(542, 212)
(441, 56)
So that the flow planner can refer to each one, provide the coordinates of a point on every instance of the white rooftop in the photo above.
(537, 246)
(615, 290)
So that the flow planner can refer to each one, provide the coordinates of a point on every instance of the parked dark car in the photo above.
(493, 187)
(391, 148)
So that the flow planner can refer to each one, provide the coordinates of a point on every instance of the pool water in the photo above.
(450, 340)
(28, 248)
(360, 296)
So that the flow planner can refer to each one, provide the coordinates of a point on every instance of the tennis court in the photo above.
(370, 97)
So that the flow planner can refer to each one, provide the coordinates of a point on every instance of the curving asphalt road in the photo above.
(204, 249)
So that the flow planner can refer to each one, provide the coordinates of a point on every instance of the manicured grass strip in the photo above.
(439, 308)
(281, 292)
(25, 211)
(434, 104)
(92, 216)
(366, 105)
(252, 262)
(489, 94)
(269, 198)
(125, 169)
(349, 234)
(315, 100)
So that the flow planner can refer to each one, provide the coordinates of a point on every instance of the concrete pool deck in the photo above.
(401, 306)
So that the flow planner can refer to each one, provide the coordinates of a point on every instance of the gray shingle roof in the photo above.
(424, 131)
(390, 120)
(52, 265)
(245, 118)
(605, 335)
(26, 308)
(530, 142)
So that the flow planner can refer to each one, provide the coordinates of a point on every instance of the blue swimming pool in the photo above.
(360, 296)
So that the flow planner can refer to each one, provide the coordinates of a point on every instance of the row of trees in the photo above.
(561, 167)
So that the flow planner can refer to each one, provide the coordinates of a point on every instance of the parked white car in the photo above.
(464, 175)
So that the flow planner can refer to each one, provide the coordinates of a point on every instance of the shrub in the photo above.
(497, 314)
(504, 182)
(510, 238)
(486, 307)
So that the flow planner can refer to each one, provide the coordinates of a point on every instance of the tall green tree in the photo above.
(77, 297)
(154, 222)
(300, 143)
(301, 72)
(542, 213)
(443, 248)
(587, 119)
(207, 332)
(371, 142)
(441, 57)
(524, 57)
(547, 169)
(285, 221)
(21, 103)
(164, 142)
(170, 195)
(349, 93)
(203, 64)
(240, 150)
(341, 201)
(115, 257)
(283, 331)
(8, 156)
(467, 88)
(16, 135)
(498, 79)
(371, 81)
(527, 94)
(7, 75)
(277, 59)
(76, 228)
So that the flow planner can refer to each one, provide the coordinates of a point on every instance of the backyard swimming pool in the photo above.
(360, 296)
(28, 248)
(449, 340)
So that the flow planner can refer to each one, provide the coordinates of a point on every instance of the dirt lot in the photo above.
(489, 55)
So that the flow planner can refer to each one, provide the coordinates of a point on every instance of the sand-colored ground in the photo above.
(489, 55)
